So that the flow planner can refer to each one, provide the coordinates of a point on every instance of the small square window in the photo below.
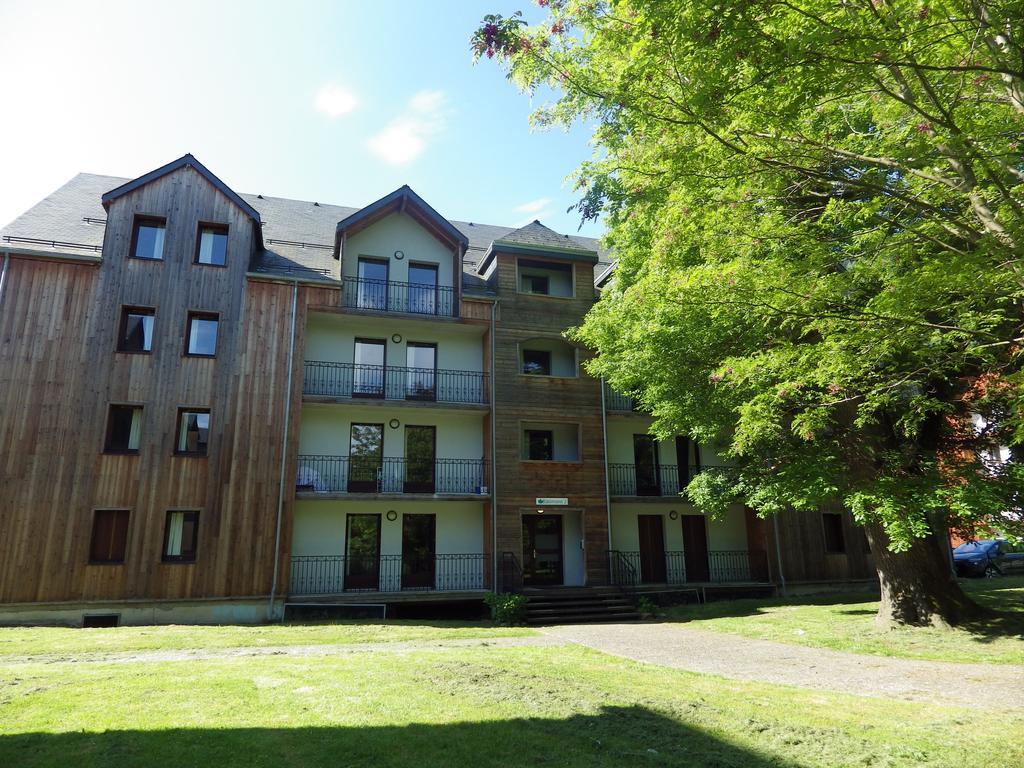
(148, 238)
(536, 284)
(193, 432)
(109, 536)
(135, 333)
(537, 362)
(835, 542)
(212, 245)
(124, 423)
(180, 536)
(540, 445)
(201, 334)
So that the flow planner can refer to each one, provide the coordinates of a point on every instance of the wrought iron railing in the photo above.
(334, 574)
(630, 569)
(394, 296)
(344, 474)
(614, 401)
(393, 382)
(656, 480)
(510, 574)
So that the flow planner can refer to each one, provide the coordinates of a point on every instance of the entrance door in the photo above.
(372, 290)
(652, 549)
(542, 550)
(420, 459)
(695, 548)
(422, 289)
(366, 458)
(362, 552)
(418, 544)
(421, 376)
(645, 458)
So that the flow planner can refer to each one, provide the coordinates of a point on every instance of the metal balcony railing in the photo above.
(394, 296)
(613, 401)
(630, 569)
(393, 382)
(344, 474)
(414, 572)
(657, 480)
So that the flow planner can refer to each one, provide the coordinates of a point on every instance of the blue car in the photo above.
(991, 558)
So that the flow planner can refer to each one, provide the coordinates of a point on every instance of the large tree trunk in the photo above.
(918, 587)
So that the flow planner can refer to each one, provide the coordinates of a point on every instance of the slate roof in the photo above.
(298, 235)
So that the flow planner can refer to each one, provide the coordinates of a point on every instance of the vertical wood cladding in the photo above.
(520, 398)
(59, 371)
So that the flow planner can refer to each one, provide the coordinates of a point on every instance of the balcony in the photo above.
(335, 574)
(658, 481)
(397, 297)
(342, 474)
(613, 401)
(631, 569)
(395, 383)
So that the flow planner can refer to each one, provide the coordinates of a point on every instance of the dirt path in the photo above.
(738, 658)
(337, 649)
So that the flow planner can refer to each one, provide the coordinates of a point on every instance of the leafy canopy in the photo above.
(816, 208)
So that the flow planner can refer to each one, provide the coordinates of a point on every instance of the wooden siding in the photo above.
(802, 545)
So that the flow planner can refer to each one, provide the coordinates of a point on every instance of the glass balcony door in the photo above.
(373, 284)
(645, 458)
(418, 546)
(420, 459)
(423, 289)
(421, 378)
(366, 458)
(362, 552)
(368, 376)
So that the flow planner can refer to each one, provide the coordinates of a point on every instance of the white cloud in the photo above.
(534, 205)
(335, 100)
(404, 138)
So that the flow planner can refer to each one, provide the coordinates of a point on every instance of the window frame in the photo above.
(181, 559)
(106, 435)
(842, 550)
(200, 315)
(142, 219)
(221, 229)
(552, 265)
(177, 433)
(122, 327)
(92, 535)
(523, 352)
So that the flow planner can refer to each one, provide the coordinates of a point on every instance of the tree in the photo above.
(816, 211)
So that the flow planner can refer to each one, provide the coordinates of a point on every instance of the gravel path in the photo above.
(337, 649)
(737, 658)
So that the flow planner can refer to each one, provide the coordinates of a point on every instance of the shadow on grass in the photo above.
(617, 736)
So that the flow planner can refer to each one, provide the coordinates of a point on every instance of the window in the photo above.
(124, 423)
(540, 445)
(109, 536)
(180, 535)
(135, 333)
(201, 334)
(833, 526)
(537, 362)
(193, 432)
(536, 284)
(148, 238)
(212, 245)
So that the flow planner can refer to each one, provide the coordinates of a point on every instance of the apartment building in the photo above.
(213, 404)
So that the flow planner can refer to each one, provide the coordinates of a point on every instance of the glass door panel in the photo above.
(421, 378)
(423, 289)
(368, 369)
(366, 458)
(542, 550)
(420, 459)
(362, 552)
(645, 458)
(373, 284)
(418, 545)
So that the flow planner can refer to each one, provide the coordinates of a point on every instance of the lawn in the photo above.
(846, 623)
(469, 706)
(63, 642)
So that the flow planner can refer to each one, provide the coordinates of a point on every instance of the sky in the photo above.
(336, 102)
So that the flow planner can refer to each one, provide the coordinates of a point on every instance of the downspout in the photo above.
(607, 486)
(3, 276)
(284, 454)
(494, 455)
(778, 555)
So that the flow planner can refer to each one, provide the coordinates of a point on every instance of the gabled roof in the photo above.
(537, 240)
(181, 162)
(403, 200)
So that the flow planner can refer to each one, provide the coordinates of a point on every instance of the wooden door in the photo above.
(695, 548)
(542, 550)
(652, 549)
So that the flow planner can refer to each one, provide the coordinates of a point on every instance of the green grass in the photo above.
(59, 641)
(846, 623)
(476, 706)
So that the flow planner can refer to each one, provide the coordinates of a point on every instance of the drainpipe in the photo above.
(494, 456)
(607, 486)
(284, 453)
(778, 554)
(3, 276)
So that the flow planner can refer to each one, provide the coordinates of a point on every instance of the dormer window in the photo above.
(148, 238)
(212, 245)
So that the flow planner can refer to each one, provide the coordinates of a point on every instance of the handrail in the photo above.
(397, 296)
(722, 566)
(407, 572)
(659, 480)
(373, 474)
(394, 382)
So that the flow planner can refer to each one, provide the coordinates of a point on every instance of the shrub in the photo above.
(506, 609)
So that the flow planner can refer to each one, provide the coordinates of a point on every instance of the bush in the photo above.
(648, 607)
(506, 609)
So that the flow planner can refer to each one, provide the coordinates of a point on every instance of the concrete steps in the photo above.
(579, 606)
